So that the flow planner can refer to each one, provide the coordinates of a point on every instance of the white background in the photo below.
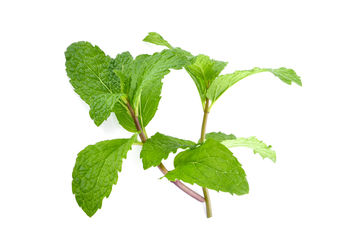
(301, 203)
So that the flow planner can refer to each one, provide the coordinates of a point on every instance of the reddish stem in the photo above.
(161, 167)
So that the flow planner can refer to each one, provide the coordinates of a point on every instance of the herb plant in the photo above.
(130, 88)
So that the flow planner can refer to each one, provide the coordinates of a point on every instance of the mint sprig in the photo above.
(130, 87)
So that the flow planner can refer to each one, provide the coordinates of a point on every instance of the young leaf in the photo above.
(122, 67)
(210, 165)
(252, 142)
(159, 146)
(223, 82)
(203, 71)
(156, 39)
(96, 171)
(219, 136)
(88, 69)
(124, 116)
(146, 85)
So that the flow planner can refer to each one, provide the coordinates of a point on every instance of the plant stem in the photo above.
(161, 167)
(205, 190)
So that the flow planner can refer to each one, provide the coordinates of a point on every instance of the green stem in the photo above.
(204, 126)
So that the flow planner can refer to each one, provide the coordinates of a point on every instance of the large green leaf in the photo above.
(88, 69)
(159, 146)
(96, 171)
(223, 82)
(253, 143)
(141, 84)
(210, 165)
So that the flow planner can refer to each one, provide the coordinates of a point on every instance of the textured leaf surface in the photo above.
(253, 143)
(101, 107)
(157, 39)
(223, 82)
(210, 165)
(159, 146)
(219, 136)
(89, 71)
(96, 171)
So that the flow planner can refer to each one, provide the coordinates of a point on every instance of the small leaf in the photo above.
(219, 136)
(124, 117)
(159, 146)
(210, 165)
(155, 38)
(122, 64)
(96, 171)
(223, 82)
(252, 142)
(203, 71)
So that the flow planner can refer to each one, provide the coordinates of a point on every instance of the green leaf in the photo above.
(124, 116)
(210, 165)
(146, 85)
(122, 66)
(155, 38)
(252, 142)
(223, 82)
(219, 136)
(203, 71)
(141, 84)
(88, 68)
(96, 171)
(159, 146)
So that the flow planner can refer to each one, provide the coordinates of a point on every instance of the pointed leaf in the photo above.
(155, 38)
(256, 145)
(96, 171)
(124, 116)
(223, 82)
(210, 165)
(219, 136)
(203, 71)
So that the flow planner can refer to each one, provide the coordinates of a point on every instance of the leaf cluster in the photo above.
(130, 87)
